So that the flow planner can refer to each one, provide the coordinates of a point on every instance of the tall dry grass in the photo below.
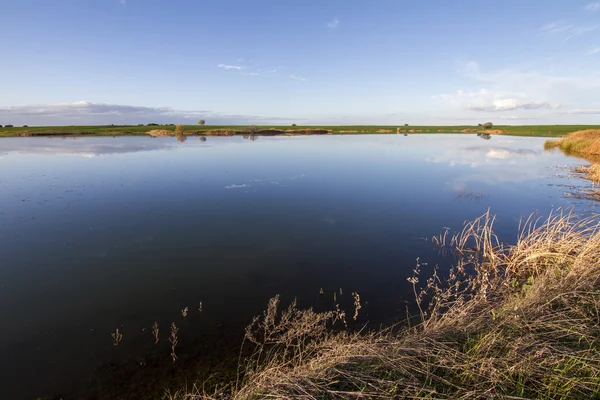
(584, 144)
(510, 322)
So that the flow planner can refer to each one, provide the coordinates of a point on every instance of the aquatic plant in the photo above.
(155, 332)
(174, 340)
(117, 337)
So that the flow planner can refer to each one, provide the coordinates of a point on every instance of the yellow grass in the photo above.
(584, 144)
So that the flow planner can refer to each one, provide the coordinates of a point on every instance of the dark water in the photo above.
(100, 233)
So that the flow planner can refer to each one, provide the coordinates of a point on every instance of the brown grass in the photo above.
(510, 322)
(585, 144)
(384, 131)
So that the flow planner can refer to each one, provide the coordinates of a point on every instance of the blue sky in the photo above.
(300, 61)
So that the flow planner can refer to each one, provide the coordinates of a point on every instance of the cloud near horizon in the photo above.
(525, 90)
(88, 113)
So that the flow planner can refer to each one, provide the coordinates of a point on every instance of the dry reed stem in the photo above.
(174, 340)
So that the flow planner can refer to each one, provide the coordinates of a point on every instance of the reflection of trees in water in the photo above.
(251, 137)
(484, 136)
(202, 138)
(181, 138)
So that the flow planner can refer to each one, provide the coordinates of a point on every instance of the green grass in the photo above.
(109, 130)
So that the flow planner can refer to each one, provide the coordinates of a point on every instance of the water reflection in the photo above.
(135, 229)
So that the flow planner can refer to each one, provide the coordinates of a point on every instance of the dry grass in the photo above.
(510, 322)
(584, 144)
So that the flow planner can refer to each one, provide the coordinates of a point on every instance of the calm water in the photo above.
(100, 233)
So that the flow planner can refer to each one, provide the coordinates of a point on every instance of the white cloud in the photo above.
(593, 7)
(510, 105)
(523, 89)
(334, 23)
(485, 100)
(593, 51)
(229, 67)
(235, 186)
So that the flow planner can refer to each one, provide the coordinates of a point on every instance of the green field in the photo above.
(111, 130)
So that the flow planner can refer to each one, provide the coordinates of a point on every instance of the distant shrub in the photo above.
(25, 126)
(8, 126)
(487, 125)
(140, 124)
(179, 130)
(294, 125)
(201, 122)
(152, 124)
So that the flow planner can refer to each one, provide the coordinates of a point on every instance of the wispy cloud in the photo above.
(567, 30)
(582, 111)
(123, 2)
(593, 51)
(230, 67)
(334, 23)
(593, 7)
(297, 78)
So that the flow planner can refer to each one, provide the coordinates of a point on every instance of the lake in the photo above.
(105, 233)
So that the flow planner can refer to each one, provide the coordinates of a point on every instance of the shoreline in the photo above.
(218, 130)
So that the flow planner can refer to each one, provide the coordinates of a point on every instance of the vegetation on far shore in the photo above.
(515, 321)
(221, 130)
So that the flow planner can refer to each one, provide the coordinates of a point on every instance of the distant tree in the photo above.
(405, 124)
(0, 126)
(253, 129)
(152, 124)
(8, 126)
(25, 126)
(294, 125)
(488, 125)
(201, 122)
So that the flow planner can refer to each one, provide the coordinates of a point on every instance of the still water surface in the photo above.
(100, 233)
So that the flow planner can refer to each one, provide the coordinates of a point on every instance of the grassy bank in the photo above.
(585, 144)
(511, 322)
(113, 130)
